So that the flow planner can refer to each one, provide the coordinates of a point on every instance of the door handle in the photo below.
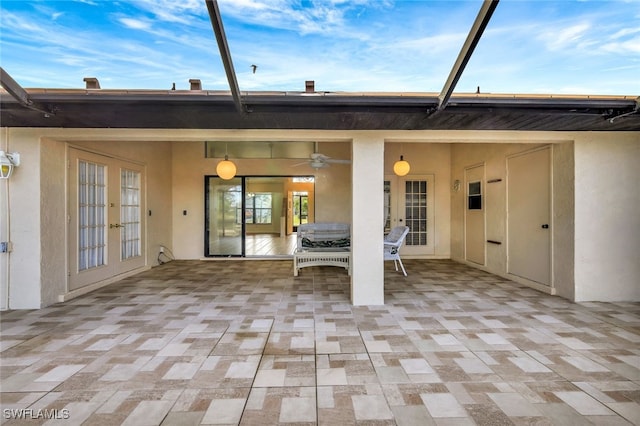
(545, 226)
(117, 225)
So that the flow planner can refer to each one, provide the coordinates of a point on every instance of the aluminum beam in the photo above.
(484, 15)
(218, 29)
(19, 94)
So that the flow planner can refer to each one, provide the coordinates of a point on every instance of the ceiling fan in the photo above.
(318, 160)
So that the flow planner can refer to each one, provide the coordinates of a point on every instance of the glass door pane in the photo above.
(92, 206)
(387, 206)
(130, 214)
(416, 212)
(224, 217)
(300, 209)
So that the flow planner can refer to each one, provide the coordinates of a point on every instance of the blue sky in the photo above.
(538, 47)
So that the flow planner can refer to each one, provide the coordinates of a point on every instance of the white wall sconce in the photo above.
(7, 163)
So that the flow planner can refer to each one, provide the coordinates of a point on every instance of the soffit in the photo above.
(322, 111)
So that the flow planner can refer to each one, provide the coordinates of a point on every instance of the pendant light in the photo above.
(226, 169)
(401, 167)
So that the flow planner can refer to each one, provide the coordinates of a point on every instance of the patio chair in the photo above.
(392, 243)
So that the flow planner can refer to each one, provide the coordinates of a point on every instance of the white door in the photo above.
(529, 215)
(409, 200)
(106, 217)
(474, 218)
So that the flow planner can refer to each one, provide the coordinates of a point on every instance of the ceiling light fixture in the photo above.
(7, 163)
(226, 169)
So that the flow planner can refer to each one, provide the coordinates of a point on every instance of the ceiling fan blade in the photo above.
(337, 161)
(318, 164)
(318, 156)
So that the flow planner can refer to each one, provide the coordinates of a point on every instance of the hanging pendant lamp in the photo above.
(401, 167)
(226, 169)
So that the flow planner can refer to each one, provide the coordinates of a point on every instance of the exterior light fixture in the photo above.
(401, 167)
(226, 169)
(7, 162)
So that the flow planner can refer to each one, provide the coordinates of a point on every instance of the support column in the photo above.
(367, 224)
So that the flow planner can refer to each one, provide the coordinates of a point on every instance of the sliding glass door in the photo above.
(224, 224)
(249, 216)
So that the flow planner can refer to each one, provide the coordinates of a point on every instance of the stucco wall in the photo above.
(24, 290)
(607, 217)
(53, 232)
(563, 214)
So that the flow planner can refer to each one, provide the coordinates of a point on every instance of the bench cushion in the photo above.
(338, 243)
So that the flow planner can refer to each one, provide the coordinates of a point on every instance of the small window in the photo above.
(258, 208)
(474, 195)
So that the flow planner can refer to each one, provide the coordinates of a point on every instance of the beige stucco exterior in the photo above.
(596, 228)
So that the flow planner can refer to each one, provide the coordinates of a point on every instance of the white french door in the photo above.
(106, 218)
(409, 200)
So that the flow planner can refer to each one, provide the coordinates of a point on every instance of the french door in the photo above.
(106, 218)
(409, 200)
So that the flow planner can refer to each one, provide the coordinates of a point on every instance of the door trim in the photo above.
(397, 209)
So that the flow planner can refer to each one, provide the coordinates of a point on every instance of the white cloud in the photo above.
(561, 38)
(136, 24)
(322, 17)
(631, 46)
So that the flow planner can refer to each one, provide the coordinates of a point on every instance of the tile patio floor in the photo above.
(243, 342)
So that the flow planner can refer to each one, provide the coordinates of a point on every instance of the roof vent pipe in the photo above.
(196, 84)
(309, 86)
(92, 83)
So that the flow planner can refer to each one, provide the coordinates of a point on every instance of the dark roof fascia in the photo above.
(330, 99)
(322, 110)
(551, 103)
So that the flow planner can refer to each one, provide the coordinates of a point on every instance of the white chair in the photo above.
(392, 243)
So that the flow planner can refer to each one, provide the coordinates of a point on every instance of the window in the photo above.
(474, 196)
(258, 208)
